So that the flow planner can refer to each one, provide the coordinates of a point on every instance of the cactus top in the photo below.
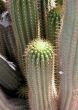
(40, 49)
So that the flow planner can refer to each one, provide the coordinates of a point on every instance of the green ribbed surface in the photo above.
(24, 21)
(54, 26)
(54, 23)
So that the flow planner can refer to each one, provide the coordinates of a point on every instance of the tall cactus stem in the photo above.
(40, 69)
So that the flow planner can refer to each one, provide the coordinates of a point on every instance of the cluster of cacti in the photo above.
(69, 57)
(40, 73)
(33, 19)
(25, 16)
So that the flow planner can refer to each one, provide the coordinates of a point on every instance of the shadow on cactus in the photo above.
(39, 61)
(2, 6)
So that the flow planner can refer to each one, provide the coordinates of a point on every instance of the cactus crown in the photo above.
(40, 48)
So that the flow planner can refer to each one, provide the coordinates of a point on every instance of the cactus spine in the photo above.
(39, 62)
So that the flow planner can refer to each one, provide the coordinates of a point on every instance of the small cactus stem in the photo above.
(54, 27)
(39, 61)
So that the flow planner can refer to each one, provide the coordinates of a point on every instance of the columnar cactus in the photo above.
(24, 21)
(55, 17)
(40, 73)
(69, 57)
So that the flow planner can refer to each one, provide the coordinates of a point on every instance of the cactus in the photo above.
(55, 17)
(54, 23)
(69, 57)
(24, 20)
(39, 64)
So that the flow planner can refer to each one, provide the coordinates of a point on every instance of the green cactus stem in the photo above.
(54, 23)
(55, 17)
(39, 60)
